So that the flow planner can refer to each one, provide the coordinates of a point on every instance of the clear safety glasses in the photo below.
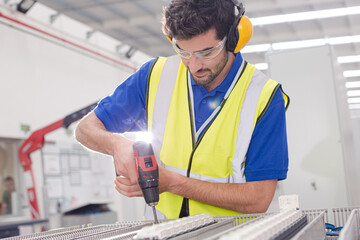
(207, 54)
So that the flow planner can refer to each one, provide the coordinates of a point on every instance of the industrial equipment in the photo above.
(286, 225)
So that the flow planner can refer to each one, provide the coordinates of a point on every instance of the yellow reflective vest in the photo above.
(219, 154)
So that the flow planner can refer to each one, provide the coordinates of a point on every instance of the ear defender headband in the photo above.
(240, 32)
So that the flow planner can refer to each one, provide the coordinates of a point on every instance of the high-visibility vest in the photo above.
(220, 152)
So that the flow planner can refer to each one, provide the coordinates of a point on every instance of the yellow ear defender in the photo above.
(240, 32)
(245, 30)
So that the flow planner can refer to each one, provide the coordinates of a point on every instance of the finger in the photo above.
(123, 180)
(132, 175)
(128, 190)
(126, 185)
(129, 194)
(120, 170)
(117, 169)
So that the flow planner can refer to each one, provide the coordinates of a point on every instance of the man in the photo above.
(218, 124)
(6, 198)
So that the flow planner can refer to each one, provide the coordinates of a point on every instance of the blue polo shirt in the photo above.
(267, 156)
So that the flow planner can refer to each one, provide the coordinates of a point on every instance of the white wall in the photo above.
(43, 79)
(316, 164)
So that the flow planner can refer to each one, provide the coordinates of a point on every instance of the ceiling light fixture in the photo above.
(261, 66)
(344, 40)
(349, 59)
(353, 100)
(256, 48)
(25, 5)
(303, 16)
(130, 52)
(353, 93)
(354, 106)
(301, 44)
(355, 84)
(351, 73)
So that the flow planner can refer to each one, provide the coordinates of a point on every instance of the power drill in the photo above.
(148, 173)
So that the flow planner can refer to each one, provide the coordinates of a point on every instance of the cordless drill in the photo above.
(148, 173)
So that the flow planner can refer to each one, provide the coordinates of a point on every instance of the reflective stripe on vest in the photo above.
(162, 102)
(246, 125)
(219, 155)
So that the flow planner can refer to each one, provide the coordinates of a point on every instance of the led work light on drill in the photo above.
(147, 173)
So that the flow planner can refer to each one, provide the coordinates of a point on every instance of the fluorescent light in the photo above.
(353, 93)
(355, 84)
(351, 73)
(261, 66)
(25, 5)
(301, 44)
(316, 42)
(256, 48)
(303, 16)
(354, 106)
(344, 40)
(353, 100)
(349, 59)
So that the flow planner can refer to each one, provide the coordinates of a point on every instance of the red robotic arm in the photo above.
(36, 142)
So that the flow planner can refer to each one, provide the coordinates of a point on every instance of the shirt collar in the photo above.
(225, 84)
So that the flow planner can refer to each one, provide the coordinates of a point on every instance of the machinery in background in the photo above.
(35, 142)
(94, 213)
(290, 224)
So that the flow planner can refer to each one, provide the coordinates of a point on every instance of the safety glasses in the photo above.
(207, 54)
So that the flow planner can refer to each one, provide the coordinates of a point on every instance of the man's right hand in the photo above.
(124, 160)
(92, 133)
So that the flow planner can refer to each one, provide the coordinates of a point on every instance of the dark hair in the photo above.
(184, 19)
(8, 179)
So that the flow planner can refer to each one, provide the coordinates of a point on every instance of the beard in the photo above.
(212, 73)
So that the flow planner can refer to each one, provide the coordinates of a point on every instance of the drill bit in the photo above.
(155, 216)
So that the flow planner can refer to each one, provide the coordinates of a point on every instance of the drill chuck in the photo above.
(152, 195)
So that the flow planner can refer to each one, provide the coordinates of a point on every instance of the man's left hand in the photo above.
(126, 188)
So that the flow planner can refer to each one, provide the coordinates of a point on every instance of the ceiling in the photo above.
(137, 23)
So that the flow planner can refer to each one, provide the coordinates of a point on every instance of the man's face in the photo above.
(204, 71)
(10, 186)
